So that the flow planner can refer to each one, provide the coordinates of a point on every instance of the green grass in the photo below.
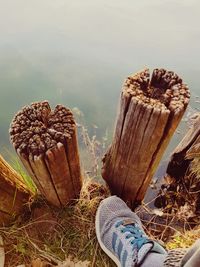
(16, 164)
(18, 167)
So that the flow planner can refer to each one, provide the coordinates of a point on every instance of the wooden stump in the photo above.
(186, 151)
(46, 142)
(182, 179)
(149, 113)
(13, 194)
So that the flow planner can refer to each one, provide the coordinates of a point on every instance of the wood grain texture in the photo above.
(194, 150)
(72, 155)
(156, 150)
(46, 143)
(11, 203)
(41, 172)
(148, 115)
(13, 195)
(119, 161)
(2, 251)
(190, 138)
(181, 184)
(26, 163)
(57, 164)
(112, 154)
(186, 151)
(5, 218)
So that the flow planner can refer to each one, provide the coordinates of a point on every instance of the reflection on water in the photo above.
(78, 52)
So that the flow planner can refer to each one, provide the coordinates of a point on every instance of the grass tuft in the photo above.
(185, 240)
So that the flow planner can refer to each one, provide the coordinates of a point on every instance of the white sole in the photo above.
(104, 248)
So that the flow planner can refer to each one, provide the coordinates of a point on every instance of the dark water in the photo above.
(78, 52)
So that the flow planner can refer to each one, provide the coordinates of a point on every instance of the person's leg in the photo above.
(184, 257)
(192, 257)
(121, 236)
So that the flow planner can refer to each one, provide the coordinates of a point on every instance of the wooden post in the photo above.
(186, 151)
(13, 193)
(46, 142)
(149, 113)
(182, 179)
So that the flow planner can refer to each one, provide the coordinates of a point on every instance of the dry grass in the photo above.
(168, 229)
(195, 167)
(176, 225)
(54, 235)
(185, 239)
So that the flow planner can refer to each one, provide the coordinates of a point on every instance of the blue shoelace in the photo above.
(134, 232)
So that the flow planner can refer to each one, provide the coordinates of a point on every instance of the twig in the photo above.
(43, 253)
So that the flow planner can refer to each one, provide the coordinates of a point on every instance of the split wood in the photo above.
(180, 191)
(46, 142)
(13, 193)
(149, 112)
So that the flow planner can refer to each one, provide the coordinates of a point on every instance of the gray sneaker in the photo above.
(120, 234)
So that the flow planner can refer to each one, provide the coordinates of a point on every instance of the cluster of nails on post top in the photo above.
(36, 128)
(165, 89)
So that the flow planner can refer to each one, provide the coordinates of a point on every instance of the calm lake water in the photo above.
(79, 52)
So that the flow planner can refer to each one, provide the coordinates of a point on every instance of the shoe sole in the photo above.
(104, 248)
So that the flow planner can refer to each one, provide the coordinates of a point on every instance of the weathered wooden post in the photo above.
(13, 194)
(46, 142)
(186, 151)
(182, 180)
(149, 113)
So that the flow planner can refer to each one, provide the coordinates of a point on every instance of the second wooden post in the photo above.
(149, 112)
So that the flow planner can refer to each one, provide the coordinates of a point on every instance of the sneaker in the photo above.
(120, 234)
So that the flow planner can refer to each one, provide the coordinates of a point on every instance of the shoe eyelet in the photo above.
(127, 237)
(122, 231)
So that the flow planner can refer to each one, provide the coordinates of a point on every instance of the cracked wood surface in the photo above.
(46, 143)
(13, 195)
(186, 151)
(149, 113)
